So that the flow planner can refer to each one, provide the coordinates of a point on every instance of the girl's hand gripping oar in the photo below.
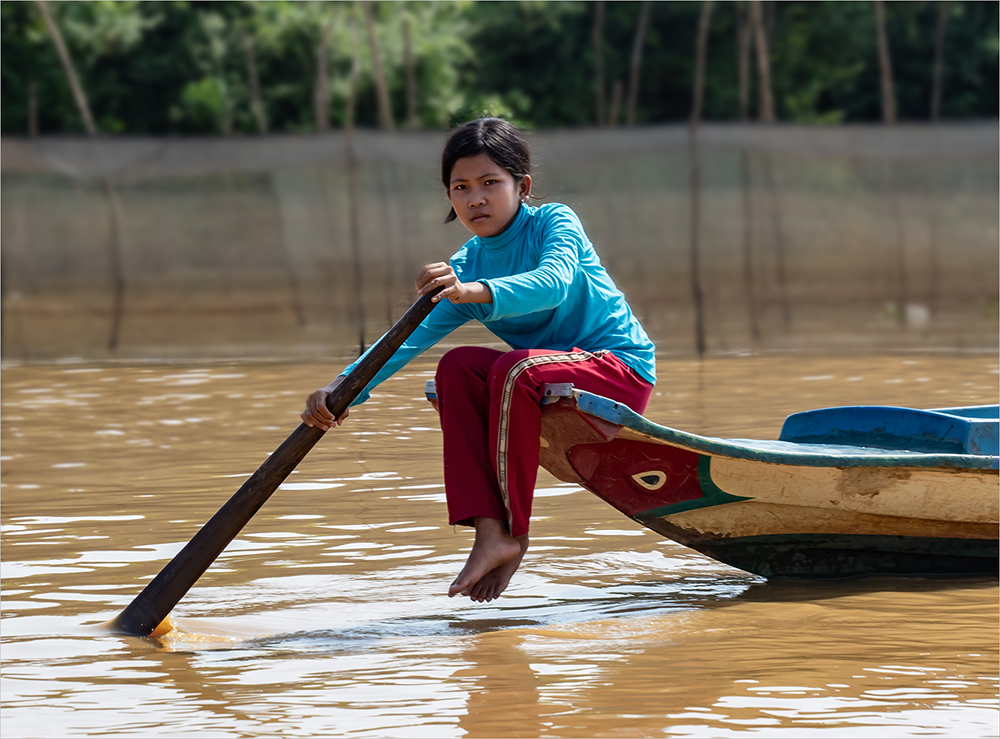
(151, 607)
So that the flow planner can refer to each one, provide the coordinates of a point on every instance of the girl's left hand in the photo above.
(435, 275)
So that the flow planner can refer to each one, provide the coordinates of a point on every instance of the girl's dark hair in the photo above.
(500, 140)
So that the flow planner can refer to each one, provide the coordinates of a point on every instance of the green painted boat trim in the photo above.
(778, 452)
(711, 495)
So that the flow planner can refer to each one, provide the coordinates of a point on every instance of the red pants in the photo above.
(491, 414)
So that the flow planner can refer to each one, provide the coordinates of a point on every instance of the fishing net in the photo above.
(820, 238)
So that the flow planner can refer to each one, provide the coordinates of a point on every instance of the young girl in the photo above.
(532, 277)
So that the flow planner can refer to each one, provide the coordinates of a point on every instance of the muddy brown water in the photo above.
(328, 615)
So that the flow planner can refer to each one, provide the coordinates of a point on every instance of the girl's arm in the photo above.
(439, 323)
(564, 247)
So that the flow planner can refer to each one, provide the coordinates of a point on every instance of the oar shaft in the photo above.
(163, 592)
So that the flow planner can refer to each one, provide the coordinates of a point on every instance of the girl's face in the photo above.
(485, 196)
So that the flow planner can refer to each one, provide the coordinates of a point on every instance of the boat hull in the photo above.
(830, 556)
(785, 513)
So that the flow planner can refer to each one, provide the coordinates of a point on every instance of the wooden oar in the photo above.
(149, 609)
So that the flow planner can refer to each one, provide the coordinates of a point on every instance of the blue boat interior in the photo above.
(971, 430)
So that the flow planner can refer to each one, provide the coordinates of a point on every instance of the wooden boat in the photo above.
(842, 492)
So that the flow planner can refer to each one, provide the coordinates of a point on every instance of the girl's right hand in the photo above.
(437, 275)
(440, 274)
(317, 414)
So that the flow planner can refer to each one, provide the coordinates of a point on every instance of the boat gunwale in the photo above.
(776, 452)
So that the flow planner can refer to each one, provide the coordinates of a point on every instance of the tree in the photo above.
(539, 80)
(884, 65)
(321, 87)
(210, 98)
(766, 110)
(67, 62)
(256, 103)
(637, 44)
(165, 68)
(411, 72)
(381, 87)
(937, 75)
(114, 208)
(598, 40)
(744, 47)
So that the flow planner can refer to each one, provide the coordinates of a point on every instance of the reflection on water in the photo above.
(327, 616)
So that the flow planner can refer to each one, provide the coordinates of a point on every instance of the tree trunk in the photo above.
(766, 112)
(695, 174)
(937, 77)
(256, 103)
(769, 14)
(744, 43)
(321, 88)
(67, 64)
(885, 65)
(352, 78)
(637, 43)
(699, 74)
(411, 73)
(598, 37)
(354, 217)
(107, 186)
(381, 87)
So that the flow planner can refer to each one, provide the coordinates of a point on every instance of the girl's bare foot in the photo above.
(493, 548)
(495, 581)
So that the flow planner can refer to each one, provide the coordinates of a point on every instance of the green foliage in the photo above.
(156, 68)
(204, 105)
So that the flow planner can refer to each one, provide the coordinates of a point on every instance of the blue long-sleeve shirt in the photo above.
(549, 289)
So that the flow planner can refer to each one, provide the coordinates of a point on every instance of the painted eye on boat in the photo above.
(652, 480)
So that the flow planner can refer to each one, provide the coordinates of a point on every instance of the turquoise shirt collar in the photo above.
(510, 234)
